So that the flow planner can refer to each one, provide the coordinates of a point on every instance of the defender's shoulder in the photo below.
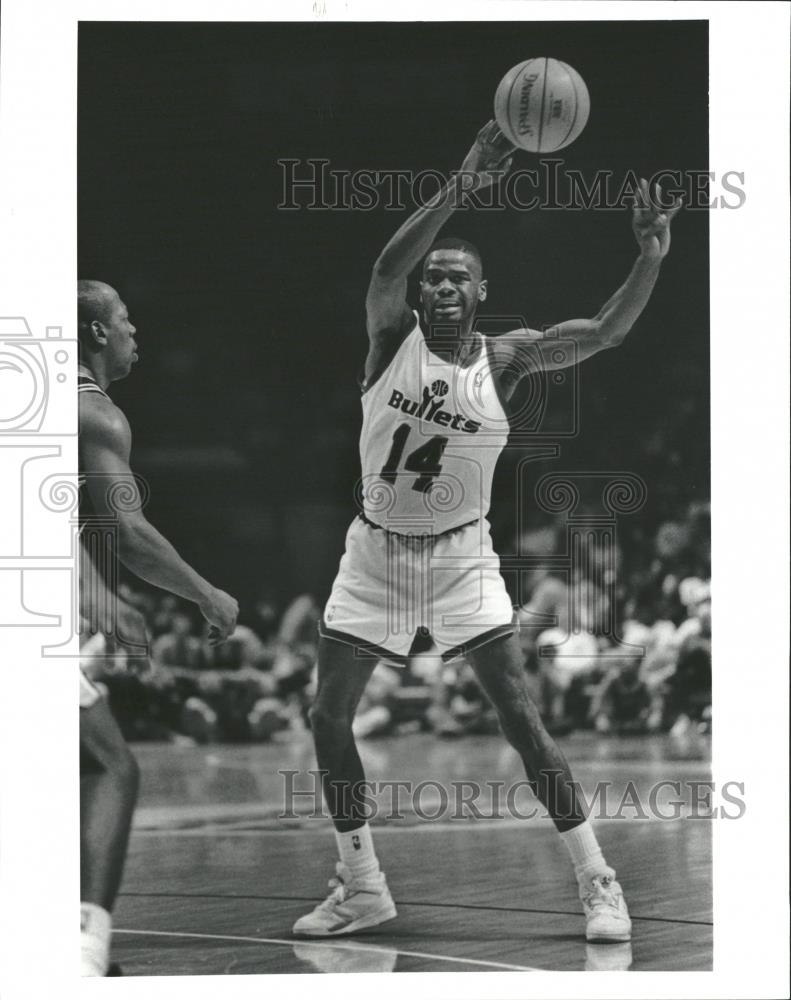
(101, 420)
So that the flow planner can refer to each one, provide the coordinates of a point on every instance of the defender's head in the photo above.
(452, 282)
(104, 329)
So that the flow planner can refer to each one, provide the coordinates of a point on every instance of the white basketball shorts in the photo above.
(388, 586)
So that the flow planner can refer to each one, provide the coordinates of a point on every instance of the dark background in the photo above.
(244, 406)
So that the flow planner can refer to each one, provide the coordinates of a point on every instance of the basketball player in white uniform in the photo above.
(419, 555)
(109, 772)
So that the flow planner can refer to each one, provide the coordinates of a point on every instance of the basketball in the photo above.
(542, 105)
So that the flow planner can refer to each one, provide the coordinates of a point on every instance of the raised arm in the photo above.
(105, 446)
(388, 315)
(651, 227)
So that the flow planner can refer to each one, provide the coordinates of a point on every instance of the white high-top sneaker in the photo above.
(605, 910)
(351, 906)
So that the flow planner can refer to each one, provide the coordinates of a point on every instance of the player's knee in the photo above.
(329, 726)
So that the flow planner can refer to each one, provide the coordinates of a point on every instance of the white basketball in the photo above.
(542, 105)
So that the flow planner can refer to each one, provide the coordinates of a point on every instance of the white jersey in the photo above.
(432, 433)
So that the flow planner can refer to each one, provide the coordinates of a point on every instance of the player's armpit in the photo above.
(383, 347)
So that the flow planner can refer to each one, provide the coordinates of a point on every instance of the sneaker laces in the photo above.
(601, 892)
(339, 886)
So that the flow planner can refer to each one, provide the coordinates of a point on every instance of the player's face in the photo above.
(121, 340)
(451, 286)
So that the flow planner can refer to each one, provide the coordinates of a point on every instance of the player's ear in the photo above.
(483, 289)
(98, 333)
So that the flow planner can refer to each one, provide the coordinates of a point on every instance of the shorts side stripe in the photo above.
(369, 648)
(479, 640)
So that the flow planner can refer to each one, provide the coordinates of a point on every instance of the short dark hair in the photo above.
(94, 302)
(456, 243)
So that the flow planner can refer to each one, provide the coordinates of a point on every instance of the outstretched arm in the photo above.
(651, 227)
(105, 444)
(388, 316)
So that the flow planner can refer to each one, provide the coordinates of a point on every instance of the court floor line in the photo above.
(239, 816)
(639, 766)
(325, 943)
(405, 902)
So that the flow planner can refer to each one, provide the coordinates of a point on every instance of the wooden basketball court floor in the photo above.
(214, 880)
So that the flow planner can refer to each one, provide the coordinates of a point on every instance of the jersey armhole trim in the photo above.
(364, 384)
(504, 403)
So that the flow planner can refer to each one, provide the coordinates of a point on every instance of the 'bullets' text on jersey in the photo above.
(432, 433)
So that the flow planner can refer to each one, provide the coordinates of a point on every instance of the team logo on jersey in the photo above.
(430, 408)
(439, 388)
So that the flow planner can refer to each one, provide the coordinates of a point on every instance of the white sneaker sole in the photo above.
(618, 937)
(387, 911)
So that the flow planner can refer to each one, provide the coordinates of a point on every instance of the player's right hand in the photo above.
(221, 611)
(491, 151)
(651, 221)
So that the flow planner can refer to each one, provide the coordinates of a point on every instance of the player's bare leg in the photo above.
(359, 897)
(342, 677)
(107, 801)
(499, 668)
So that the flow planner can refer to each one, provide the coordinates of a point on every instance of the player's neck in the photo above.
(95, 371)
(458, 344)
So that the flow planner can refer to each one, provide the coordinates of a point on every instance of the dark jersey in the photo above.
(86, 383)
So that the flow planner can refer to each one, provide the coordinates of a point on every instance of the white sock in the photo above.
(95, 930)
(585, 852)
(356, 849)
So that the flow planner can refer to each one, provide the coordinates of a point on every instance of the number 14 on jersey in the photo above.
(424, 460)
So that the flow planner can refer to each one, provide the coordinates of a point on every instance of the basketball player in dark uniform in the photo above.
(435, 399)
(109, 772)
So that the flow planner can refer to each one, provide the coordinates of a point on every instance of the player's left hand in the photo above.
(651, 221)
(221, 611)
(490, 152)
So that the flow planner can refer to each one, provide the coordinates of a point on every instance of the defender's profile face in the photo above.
(121, 339)
(451, 286)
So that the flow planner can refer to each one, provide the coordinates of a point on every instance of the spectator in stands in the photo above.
(263, 680)
(178, 646)
(399, 699)
(162, 619)
(688, 700)
(623, 703)
(568, 664)
(296, 648)
(459, 706)
(266, 616)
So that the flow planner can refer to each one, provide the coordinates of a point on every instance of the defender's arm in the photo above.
(105, 443)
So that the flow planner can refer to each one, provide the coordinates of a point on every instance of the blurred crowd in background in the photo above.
(251, 317)
(649, 673)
